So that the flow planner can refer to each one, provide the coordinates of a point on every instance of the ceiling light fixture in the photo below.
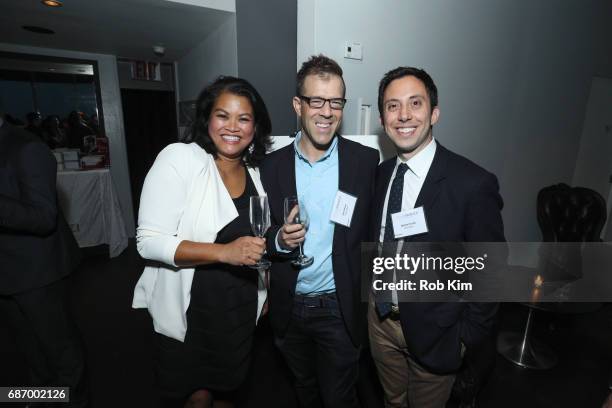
(52, 3)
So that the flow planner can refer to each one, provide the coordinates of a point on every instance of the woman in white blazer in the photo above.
(193, 228)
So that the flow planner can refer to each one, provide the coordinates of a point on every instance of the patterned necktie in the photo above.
(395, 200)
(394, 205)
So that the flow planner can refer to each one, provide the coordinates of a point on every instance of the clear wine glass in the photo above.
(297, 214)
(259, 215)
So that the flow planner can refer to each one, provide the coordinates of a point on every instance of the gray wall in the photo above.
(604, 32)
(267, 48)
(113, 118)
(513, 78)
(594, 164)
(214, 56)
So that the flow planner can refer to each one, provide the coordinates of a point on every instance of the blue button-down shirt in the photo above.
(317, 186)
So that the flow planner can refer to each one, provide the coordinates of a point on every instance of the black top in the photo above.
(220, 321)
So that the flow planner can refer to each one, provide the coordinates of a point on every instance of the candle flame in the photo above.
(538, 281)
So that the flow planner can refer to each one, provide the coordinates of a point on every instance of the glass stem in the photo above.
(265, 251)
(301, 253)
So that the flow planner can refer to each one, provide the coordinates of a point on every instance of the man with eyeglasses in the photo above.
(315, 310)
(419, 348)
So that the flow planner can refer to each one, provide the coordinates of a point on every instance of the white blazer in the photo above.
(183, 198)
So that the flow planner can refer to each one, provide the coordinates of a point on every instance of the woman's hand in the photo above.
(243, 251)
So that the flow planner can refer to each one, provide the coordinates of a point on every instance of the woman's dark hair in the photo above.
(236, 86)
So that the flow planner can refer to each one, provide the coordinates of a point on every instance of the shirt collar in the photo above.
(420, 163)
(301, 156)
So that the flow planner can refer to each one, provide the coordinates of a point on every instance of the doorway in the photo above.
(150, 125)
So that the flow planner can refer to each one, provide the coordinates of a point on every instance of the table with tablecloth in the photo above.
(89, 201)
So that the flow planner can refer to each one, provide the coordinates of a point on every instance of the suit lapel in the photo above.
(383, 178)
(286, 173)
(345, 183)
(431, 186)
(345, 164)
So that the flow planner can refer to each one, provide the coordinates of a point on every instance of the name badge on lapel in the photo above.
(408, 223)
(342, 210)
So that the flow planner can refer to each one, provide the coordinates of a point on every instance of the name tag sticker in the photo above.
(407, 223)
(342, 210)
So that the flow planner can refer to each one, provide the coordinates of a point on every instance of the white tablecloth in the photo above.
(90, 205)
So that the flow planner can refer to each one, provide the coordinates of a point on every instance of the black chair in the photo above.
(570, 214)
(565, 214)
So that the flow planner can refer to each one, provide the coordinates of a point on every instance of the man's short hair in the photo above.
(321, 66)
(400, 72)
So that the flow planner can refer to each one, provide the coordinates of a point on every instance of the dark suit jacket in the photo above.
(36, 245)
(462, 204)
(357, 167)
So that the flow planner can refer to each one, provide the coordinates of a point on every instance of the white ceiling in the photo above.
(125, 28)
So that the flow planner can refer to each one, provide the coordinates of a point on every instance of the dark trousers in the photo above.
(49, 340)
(320, 353)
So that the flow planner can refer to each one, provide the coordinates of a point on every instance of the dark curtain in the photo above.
(150, 125)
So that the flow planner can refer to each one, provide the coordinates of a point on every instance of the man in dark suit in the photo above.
(316, 310)
(418, 347)
(37, 251)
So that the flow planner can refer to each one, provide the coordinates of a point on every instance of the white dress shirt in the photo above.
(418, 167)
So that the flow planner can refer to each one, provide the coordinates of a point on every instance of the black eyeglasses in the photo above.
(316, 102)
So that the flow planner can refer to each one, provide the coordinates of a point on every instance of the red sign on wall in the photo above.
(146, 71)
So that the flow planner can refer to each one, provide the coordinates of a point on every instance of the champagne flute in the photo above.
(259, 215)
(297, 214)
